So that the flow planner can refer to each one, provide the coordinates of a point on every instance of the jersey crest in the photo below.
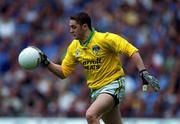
(77, 53)
(96, 49)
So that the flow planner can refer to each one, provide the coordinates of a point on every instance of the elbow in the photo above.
(135, 53)
(61, 75)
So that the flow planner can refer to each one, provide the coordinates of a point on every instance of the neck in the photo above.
(86, 35)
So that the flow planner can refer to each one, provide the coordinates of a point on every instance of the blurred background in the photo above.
(151, 25)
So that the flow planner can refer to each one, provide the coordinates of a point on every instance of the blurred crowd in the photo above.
(153, 26)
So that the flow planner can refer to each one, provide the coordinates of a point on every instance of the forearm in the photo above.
(137, 60)
(56, 69)
(147, 78)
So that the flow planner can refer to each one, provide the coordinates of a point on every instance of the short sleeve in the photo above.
(69, 62)
(120, 45)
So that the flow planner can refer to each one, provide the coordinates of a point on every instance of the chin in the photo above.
(76, 38)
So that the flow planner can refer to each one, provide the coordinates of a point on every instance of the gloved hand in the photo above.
(148, 79)
(44, 60)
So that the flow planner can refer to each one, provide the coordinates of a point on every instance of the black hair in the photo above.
(82, 18)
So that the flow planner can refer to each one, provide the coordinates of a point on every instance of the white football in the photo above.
(29, 58)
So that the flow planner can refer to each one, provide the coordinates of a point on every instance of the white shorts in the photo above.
(116, 89)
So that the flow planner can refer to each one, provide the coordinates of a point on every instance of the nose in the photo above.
(71, 30)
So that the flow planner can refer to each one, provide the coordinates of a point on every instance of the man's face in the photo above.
(76, 30)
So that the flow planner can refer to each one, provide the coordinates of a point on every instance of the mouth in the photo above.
(75, 36)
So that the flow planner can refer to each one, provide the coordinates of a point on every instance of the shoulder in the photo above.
(112, 36)
(100, 34)
(73, 44)
(106, 35)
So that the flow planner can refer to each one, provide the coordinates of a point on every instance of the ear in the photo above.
(85, 26)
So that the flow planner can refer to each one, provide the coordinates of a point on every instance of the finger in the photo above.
(144, 87)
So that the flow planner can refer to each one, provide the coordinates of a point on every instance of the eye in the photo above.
(73, 27)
